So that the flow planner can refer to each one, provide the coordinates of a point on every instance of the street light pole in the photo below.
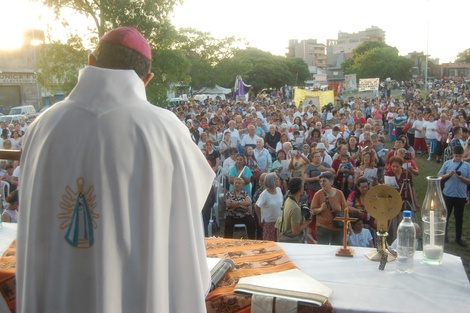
(426, 65)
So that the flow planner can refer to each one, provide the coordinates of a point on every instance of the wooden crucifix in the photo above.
(345, 250)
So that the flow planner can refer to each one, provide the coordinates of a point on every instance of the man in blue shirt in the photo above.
(455, 190)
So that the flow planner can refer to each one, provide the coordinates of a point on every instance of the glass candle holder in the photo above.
(434, 216)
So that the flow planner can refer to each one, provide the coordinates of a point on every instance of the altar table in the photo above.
(358, 285)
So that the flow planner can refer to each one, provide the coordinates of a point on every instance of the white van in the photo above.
(27, 110)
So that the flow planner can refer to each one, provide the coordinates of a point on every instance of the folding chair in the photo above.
(447, 153)
(5, 189)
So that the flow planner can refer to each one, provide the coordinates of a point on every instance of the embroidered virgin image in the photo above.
(78, 215)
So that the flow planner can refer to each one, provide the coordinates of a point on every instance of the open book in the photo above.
(218, 268)
(292, 284)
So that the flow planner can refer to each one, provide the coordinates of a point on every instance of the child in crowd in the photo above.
(347, 165)
(359, 236)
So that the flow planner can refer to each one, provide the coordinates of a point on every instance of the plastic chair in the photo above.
(5, 189)
(447, 153)
(243, 226)
(219, 199)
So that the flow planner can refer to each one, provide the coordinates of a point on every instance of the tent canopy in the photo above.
(216, 90)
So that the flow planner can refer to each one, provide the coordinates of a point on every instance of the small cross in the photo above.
(345, 250)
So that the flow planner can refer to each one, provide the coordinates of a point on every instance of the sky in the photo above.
(438, 27)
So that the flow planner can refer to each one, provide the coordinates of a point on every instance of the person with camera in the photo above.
(457, 173)
(293, 222)
(326, 204)
(397, 177)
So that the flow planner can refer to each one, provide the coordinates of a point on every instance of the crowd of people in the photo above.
(337, 153)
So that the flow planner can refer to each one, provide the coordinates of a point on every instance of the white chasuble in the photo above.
(111, 198)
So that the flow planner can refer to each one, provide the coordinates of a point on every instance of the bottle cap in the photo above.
(406, 213)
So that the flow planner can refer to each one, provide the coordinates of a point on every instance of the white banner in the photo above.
(366, 84)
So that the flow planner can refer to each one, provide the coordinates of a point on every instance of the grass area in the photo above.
(431, 168)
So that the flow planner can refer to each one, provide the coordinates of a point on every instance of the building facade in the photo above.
(18, 80)
(312, 52)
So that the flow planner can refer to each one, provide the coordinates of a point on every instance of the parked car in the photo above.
(27, 110)
(12, 119)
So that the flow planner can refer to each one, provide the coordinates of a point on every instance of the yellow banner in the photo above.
(318, 98)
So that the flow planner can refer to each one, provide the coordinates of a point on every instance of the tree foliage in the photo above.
(377, 59)
(262, 69)
(463, 57)
(59, 63)
(152, 17)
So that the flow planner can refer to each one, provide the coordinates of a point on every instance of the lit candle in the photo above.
(431, 224)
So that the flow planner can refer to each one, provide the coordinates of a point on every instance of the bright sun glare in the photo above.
(17, 16)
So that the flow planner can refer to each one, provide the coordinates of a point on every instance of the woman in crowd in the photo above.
(15, 140)
(238, 204)
(213, 156)
(262, 155)
(254, 167)
(324, 204)
(202, 140)
(357, 130)
(280, 166)
(430, 135)
(367, 169)
(312, 174)
(256, 194)
(390, 117)
(359, 117)
(10, 215)
(298, 122)
(395, 177)
(410, 133)
(239, 125)
(297, 163)
(353, 148)
(409, 148)
(314, 136)
(224, 146)
(357, 207)
(213, 135)
(242, 171)
(268, 206)
(284, 138)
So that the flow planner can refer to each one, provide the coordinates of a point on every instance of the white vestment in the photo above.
(111, 198)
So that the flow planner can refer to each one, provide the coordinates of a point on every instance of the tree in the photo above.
(151, 16)
(377, 59)
(463, 57)
(59, 63)
(262, 69)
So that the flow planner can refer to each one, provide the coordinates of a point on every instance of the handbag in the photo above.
(338, 224)
(444, 180)
(406, 127)
(256, 174)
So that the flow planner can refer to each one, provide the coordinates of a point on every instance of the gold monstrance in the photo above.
(383, 203)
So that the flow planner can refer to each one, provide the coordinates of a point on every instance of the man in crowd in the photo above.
(457, 172)
(111, 215)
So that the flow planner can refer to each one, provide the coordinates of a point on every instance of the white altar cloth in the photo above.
(359, 286)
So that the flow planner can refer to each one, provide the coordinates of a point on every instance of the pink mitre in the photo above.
(129, 37)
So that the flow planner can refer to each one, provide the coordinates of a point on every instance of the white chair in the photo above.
(447, 153)
(219, 200)
(5, 189)
(243, 226)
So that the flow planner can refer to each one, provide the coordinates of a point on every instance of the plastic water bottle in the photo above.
(406, 242)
